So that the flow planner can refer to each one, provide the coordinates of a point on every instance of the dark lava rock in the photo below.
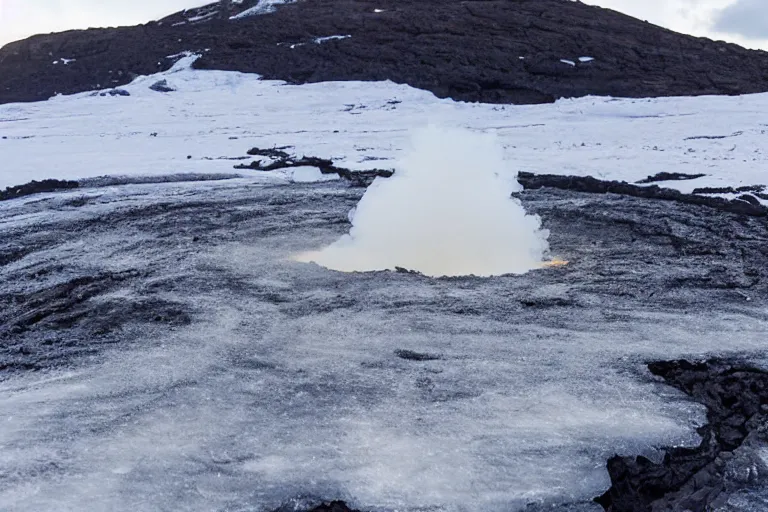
(334, 506)
(283, 160)
(501, 51)
(713, 137)
(589, 184)
(411, 355)
(307, 505)
(755, 189)
(115, 92)
(670, 176)
(727, 460)
(36, 187)
(749, 199)
(276, 153)
(56, 306)
(161, 86)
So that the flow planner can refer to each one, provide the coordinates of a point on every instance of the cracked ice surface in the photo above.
(285, 380)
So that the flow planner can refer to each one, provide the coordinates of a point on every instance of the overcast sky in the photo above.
(741, 21)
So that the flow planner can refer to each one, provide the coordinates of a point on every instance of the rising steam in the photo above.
(447, 211)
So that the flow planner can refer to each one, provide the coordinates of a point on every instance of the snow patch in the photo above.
(202, 17)
(321, 40)
(263, 7)
(309, 175)
(218, 113)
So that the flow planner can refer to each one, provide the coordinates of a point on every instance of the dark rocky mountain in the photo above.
(506, 51)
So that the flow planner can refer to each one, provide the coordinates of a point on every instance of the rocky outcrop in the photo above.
(36, 187)
(523, 51)
(280, 159)
(740, 205)
(728, 458)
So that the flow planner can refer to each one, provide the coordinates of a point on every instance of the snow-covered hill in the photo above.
(494, 51)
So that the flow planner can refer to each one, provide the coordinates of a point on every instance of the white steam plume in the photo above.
(447, 211)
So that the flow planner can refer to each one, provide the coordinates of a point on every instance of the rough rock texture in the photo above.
(36, 187)
(671, 176)
(740, 205)
(280, 159)
(506, 51)
(728, 458)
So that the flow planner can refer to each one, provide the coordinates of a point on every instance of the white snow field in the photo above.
(258, 400)
(216, 114)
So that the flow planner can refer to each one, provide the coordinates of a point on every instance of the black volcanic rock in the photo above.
(505, 51)
(743, 206)
(670, 176)
(161, 86)
(727, 459)
(36, 187)
(283, 160)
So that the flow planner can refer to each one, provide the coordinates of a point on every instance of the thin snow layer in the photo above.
(446, 212)
(263, 7)
(321, 40)
(215, 115)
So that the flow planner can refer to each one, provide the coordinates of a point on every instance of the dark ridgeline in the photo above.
(502, 51)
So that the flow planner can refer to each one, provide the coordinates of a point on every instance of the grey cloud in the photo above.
(747, 18)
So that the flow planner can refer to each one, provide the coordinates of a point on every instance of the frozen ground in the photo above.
(216, 115)
(159, 350)
(162, 352)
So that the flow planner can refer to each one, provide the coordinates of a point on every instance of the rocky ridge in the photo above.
(498, 51)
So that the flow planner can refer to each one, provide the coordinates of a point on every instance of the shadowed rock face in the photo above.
(502, 51)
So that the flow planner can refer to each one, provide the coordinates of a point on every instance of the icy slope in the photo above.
(216, 115)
